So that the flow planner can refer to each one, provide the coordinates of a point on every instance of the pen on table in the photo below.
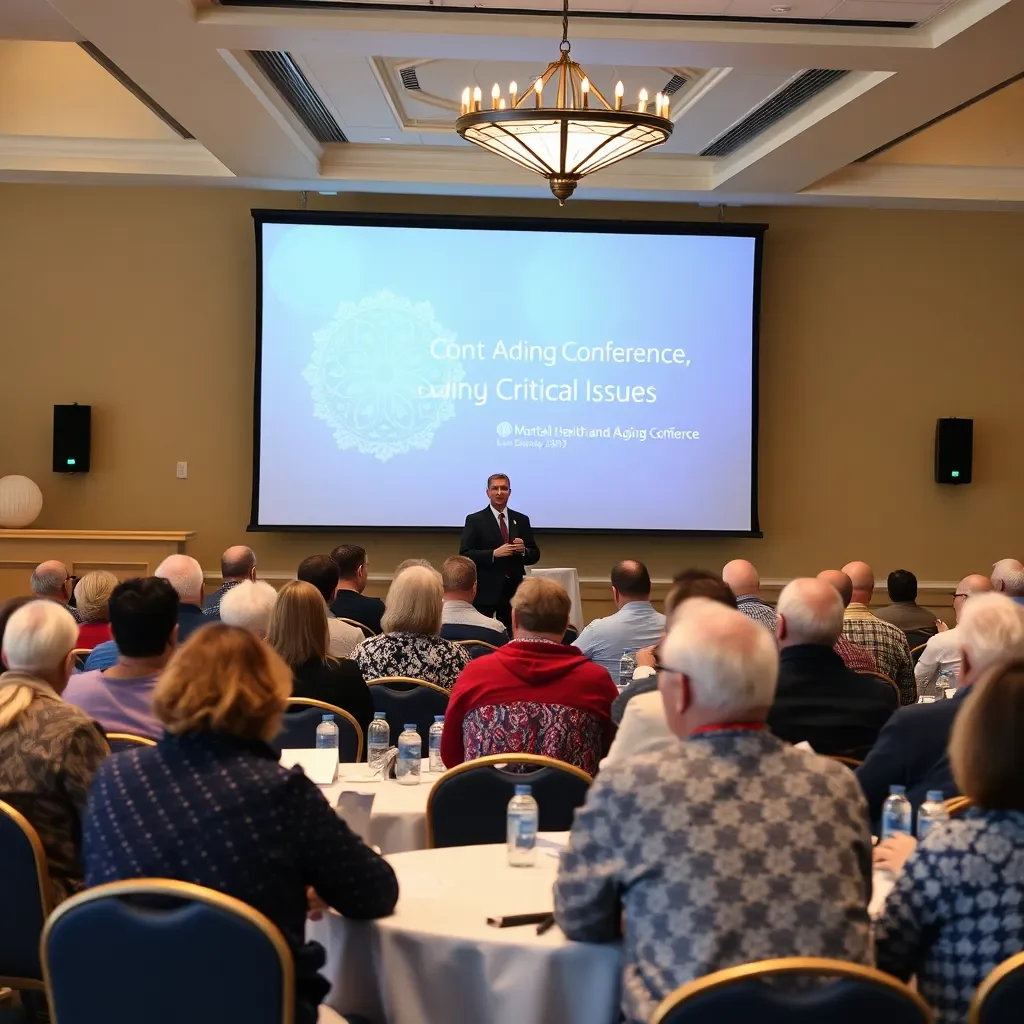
(546, 924)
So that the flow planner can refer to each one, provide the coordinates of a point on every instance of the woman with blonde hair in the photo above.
(300, 634)
(955, 910)
(92, 592)
(238, 822)
(411, 644)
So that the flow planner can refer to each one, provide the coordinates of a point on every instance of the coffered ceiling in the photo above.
(826, 101)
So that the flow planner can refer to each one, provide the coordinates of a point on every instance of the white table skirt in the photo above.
(437, 961)
(398, 818)
(570, 580)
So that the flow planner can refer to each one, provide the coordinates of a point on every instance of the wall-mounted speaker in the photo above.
(72, 438)
(954, 451)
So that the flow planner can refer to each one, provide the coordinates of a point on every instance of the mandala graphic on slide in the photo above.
(373, 378)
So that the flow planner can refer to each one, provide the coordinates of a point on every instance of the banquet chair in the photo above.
(127, 740)
(163, 951)
(81, 656)
(1001, 995)
(851, 762)
(367, 630)
(298, 728)
(956, 805)
(27, 899)
(475, 648)
(916, 652)
(917, 638)
(467, 806)
(884, 678)
(854, 995)
(404, 699)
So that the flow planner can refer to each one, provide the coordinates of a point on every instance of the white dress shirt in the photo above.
(941, 653)
(642, 728)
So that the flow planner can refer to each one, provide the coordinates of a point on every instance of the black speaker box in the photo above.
(72, 437)
(954, 451)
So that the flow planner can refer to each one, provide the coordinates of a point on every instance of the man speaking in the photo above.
(501, 544)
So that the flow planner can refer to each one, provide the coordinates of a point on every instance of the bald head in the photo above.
(49, 579)
(839, 582)
(863, 579)
(238, 563)
(185, 574)
(810, 612)
(976, 583)
(1008, 577)
(742, 578)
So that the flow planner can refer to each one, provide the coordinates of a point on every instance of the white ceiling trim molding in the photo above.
(923, 181)
(179, 157)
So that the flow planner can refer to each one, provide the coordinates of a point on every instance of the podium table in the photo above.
(570, 580)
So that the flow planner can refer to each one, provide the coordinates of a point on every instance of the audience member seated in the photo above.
(723, 844)
(459, 619)
(185, 574)
(411, 644)
(941, 653)
(1008, 578)
(298, 632)
(92, 592)
(144, 618)
(690, 583)
(7, 609)
(904, 611)
(51, 581)
(350, 601)
(535, 695)
(818, 699)
(49, 749)
(955, 911)
(744, 582)
(249, 606)
(409, 562)
(636, 624)
(888, 643)
(855, 657)
(237, 565)
(322, 572)
(910, 748)
(239, 822)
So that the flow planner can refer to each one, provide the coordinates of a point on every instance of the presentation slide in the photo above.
(610, 375)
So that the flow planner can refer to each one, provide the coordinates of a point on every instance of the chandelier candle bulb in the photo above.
(513, 91)
(641, 107)
(466, 107)
(620, 91)
(501, 103)
(585, 90)
(538, 88)
(477, 97)
(495, 96)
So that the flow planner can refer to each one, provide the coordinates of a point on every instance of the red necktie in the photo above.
(503, 527)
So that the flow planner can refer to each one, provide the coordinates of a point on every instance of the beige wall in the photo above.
(140, 301)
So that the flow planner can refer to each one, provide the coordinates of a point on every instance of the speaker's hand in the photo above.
(519, 545)
(504, 551)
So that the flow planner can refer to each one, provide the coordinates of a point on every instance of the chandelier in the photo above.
(570, 139)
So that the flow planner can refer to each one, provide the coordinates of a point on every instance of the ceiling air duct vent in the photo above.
(293, 85)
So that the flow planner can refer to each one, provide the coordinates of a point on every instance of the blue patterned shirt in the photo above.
(723, 848)
(957, 909)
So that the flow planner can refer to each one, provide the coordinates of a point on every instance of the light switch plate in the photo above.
(182, 472)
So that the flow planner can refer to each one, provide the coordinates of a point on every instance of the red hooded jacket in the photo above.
(521, 671)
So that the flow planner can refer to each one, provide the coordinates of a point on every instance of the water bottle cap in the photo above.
(328, 718)
(380, 714)
(410, 726)
(523, 790)
(897, 790)
(934, 796)
(438, 718)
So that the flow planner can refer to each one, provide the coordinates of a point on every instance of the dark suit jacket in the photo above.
(909, 752)
(480, 536)
(336, 681)
(820, 700)
(351, 605)
(190, 618)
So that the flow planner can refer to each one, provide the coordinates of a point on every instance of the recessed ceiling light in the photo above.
(780, 9)
(383, 138)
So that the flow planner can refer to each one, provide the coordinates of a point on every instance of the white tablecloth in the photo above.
(436, 960)
(570, 580)
(398, 819)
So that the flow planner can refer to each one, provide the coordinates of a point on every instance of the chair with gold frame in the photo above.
(467, 805)
(856, 994)
(1001, 995)
(127, 740)
(404, 699)
(300, 721)
(956, 805)
(885, 679)
(916, 652)
(81, 656)
(851, 762)
(366, 630)
(476, 648)
(26, 897)
(162, 951)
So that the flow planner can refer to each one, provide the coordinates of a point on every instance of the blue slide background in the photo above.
(349, 313)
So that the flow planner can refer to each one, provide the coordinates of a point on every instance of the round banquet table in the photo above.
(436, 960)
(398, 818)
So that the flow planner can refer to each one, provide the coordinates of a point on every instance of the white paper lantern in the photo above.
(21, 501)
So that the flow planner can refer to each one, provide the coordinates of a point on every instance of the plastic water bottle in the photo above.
(410, 749)
(627, 663)
(521, 829)
(327, 734)
(896, 812)
(378, 739)
(434, 744)
(946, 681)
(931, 812)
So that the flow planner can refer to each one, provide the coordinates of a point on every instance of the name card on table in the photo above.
(319, 765)
(354, 808)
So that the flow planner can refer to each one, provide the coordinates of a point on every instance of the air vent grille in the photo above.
(136, 90)
(675, 83)
(293, 85)
(409, 79)
(803, 88)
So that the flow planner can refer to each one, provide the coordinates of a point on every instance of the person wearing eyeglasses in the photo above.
(723, 844)
(52, 582)
(942, 651)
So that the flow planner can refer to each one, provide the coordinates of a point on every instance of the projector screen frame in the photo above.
(498, 223)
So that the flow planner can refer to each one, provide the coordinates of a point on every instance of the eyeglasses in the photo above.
(955, 596)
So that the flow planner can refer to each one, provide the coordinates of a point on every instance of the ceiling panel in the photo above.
(885, 10)
(35, 20)
(815, 9)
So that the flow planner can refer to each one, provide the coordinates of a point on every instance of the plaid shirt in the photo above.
(754, 608)
(888, 643)
(855, 657)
